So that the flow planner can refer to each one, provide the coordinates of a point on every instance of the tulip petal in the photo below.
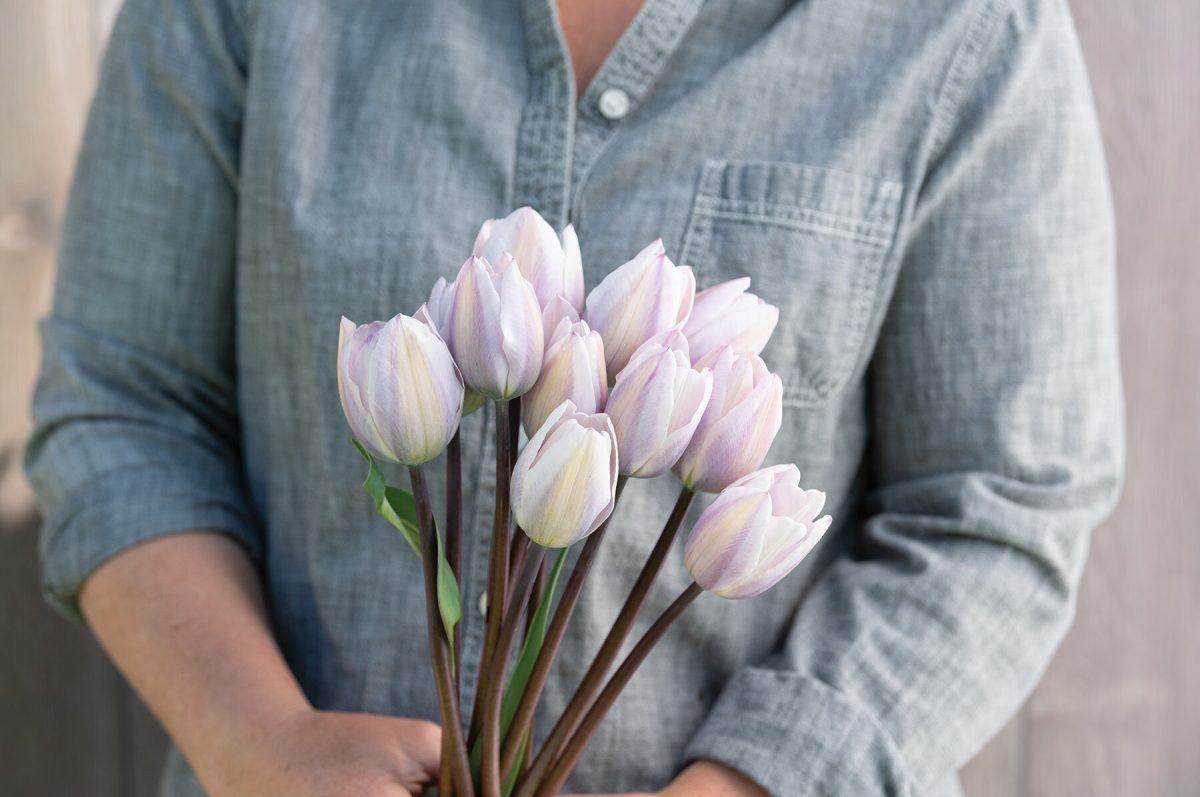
(785, 562)
(727, 540)
(572, 289)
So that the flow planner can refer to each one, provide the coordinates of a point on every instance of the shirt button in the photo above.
(483, 604)
(613, 104)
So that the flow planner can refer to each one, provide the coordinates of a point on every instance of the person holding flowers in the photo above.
(753, 453)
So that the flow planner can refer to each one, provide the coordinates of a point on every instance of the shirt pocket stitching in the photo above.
(804, 219)
(872, 224)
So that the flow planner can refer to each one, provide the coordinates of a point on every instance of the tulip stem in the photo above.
(454, 524)
(497, 564)
(575, 747)
(514, 440)
(527, 708)
(453, 558)
(593, 680)
(456, 766)
(491, 775)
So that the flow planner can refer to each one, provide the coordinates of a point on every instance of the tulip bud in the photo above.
(656, 404)
(755, 533)
(564, 483)
(738, 426)
(553, 267)
(640, 299)
(400, 389)
(573, 369)
(553, 314)
(725, 315)
(495, 328)
(437, 307)
(435, 315)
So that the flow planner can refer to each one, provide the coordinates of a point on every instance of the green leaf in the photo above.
(510, 782)
(515, 688)
(399, 508)
(530, 649)
(449, 600)
(394, 505)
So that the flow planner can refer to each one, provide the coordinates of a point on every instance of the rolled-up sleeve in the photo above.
(136, 425)
(997, 445)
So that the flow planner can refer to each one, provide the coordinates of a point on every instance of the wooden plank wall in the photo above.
(1118, 712)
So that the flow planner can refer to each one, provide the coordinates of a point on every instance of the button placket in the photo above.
(625, 79)
(541, 180)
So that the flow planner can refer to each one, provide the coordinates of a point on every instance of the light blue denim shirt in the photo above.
(918, 185)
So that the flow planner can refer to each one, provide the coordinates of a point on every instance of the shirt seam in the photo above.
(965, 67)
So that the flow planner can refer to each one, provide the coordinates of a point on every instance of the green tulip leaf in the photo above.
(510, 782)
(530, 649)
(515, 688)
(399, 508)
(394, 505)
(449, 601)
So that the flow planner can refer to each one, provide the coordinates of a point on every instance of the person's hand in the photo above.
(702, 779)
(335, 754)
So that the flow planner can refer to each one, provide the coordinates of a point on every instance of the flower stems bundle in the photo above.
(641, 378)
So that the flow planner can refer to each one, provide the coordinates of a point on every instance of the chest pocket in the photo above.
(814, 243)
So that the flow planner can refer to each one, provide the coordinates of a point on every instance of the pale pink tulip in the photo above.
(551, 265)
(437, 307)
(755, 533)
(564, 483)
(400, 389)
(738, 426)
(435, 313)
(656, 404)
(640, 299)
(573, 369)
(495, 328)
(726, 315)
(553, 314)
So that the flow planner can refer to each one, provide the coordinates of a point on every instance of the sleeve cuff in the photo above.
(128, 507)
(797, 736)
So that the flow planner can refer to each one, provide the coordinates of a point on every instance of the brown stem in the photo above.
(497, 563)
(491, 775)
(516, 561)
(457, 763)
(575, 747)
(454, 526)
(535, 597)
(593, 680)
(514, 441)
(527, 708)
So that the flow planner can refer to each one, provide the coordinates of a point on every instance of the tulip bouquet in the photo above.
(642, 377)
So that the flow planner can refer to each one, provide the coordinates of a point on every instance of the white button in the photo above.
(483, 604)
(613, 104)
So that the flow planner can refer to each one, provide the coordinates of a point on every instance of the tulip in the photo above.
(494, 328)
(553, 314)
(755, 533)
(738, 426)
(435, 313)
(436, 309)
(573, 369)
(725, 315)
(564, 483)
(400, 389)
(656, 404)
(553, 267)
(640, 299)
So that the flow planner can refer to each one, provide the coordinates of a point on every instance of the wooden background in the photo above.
(1118, 712)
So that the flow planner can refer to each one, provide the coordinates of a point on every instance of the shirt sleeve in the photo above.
(136, 428)
(997, 445)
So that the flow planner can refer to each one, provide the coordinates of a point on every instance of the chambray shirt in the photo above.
(918, 185)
